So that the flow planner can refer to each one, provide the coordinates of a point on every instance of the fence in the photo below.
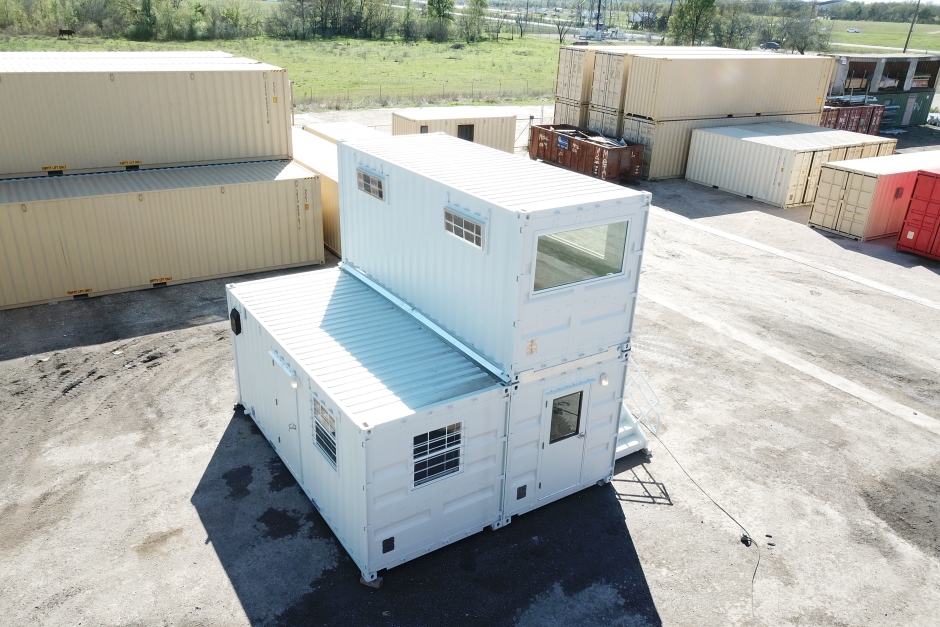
(424, 92)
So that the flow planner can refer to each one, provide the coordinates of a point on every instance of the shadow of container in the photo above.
(574, 556)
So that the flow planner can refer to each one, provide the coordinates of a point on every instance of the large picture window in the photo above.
(437, 453)
(580, 254)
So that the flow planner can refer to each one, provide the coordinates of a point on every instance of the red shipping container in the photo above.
(921, 231)
(843, 122)
(855, 114)
(875, 125)
(864, 119)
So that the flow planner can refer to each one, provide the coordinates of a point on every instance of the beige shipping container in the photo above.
(604, 121)
(319, 155)
(141, 112)
(489, 126)
(573, 113)
(868, 198)
(79, 236)
(575, 72)
(342, 131)
(673, 87)
(772, 163)
(667, 143)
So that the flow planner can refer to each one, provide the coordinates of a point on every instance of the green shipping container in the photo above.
(904, 109)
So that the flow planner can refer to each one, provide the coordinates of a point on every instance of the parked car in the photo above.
(770, 45)
(852, 30)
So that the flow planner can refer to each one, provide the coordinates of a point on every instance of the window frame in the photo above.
(320, 426)
(383, 178)
(458, 447)
(533, 293)
(477, 220)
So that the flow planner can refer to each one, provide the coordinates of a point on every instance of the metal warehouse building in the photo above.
(465, 363)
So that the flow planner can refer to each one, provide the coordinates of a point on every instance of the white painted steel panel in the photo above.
(674, 87)
(342, 131)
(667, 143)
(143, 112)
(868, 198)
(319, 155)
(492, 126)
(767, 162)
(485, 297)
(101, 233)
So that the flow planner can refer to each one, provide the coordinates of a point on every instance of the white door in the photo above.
(564, 421)
(288, 433)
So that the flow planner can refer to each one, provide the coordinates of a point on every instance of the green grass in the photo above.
(889, 34)
(348, 72)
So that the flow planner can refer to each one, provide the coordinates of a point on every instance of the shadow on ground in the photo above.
(917, 138)
(70, 323)
(570, 563)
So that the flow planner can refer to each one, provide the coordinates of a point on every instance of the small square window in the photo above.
(436, 453)
(465, 131)
(466, 229)
(424, 128)
(370, 184)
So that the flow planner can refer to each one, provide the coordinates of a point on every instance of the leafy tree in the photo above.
(471, 20)
(734, 28)
(691, 21)
(441, 11)
(803, 32)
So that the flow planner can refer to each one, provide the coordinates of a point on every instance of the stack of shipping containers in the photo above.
(904, 84)
(573, 85)
(777, 163)
(415, 409)
(164, 167)
(868, 198)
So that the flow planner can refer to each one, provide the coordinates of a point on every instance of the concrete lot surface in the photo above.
(799, 378)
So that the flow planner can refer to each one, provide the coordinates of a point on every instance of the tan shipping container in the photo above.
(575, 72)
(342, 131)
(772, 163)
(488, 126)
(667, 143)
(604, 121)
(573, 113)
(79, 236)
(140, 112)
(868, 198)
(319, 155)
(673, 87)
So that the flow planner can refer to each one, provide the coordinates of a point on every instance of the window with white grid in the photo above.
(437, 453)
(464, 228)
(324, 431)
(371, 184)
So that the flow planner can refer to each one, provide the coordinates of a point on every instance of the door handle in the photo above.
(582, 435)
(291, 426)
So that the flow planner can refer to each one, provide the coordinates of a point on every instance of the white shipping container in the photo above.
(868, 198)
(773, 163)
(572, 113)
(342, 131)
(528, 264)
(674, 87)
(403, 442)
(78, 236)
(487, 126)
(131, 112)
(667, 143)
(575, 71)
(319, 156)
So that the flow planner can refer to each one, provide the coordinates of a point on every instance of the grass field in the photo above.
(888, 34)
(350, 72)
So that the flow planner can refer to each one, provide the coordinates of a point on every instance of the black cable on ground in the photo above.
(747, 539)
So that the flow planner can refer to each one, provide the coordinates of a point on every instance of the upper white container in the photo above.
(342, 131)
(139, 111)
(868, 198)
(530, 265)
(487, 126)
(776, 163)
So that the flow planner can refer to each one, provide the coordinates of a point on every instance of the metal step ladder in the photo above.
(638, 406)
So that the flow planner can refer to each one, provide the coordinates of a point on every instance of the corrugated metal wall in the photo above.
(319, 155)
(494, 132)
(91, 235)
(575, 73)
(570, 113)
(167, 113)
(605, 121)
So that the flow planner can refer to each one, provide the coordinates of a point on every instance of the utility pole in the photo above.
(913, 21)
(597, 24)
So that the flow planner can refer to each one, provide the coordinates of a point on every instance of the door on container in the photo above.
(856, 204)
(287, 428)
(909, 109)
(828, 197)
(564, 424)
(802, 162)
(812, 180)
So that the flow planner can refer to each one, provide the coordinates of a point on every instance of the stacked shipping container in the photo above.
(921, 231)
(860, 119)
(573, 85)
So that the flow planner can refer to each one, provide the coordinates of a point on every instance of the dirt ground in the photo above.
(799, 380)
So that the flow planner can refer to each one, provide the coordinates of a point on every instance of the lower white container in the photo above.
(667, 142)
(775, 163)
(488, 126)
(319, 155)
(868, 198)
(90, 234)
(403, 442)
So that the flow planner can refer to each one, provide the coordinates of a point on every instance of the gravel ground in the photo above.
(133, 494)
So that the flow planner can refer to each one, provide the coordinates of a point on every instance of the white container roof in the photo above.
(453, 113)
(343, 131)
(514, 183)
(892, 164)
(315, 153)
(794, 136)
(79, 185)
(374, 360)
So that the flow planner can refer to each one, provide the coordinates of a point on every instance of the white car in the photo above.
(852, 30)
